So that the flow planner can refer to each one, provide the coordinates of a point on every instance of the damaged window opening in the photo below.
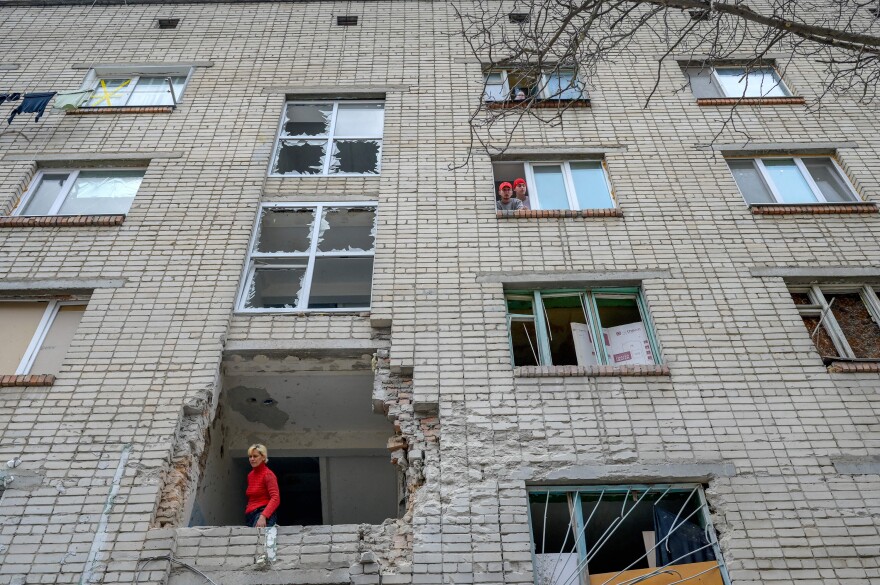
(735, 81)
(311, 257)
(37, 335)
(504, 85)
(326, 443)
(621, 535)
(791, 180)
(842, 321)
(330, 138)
(558, 328)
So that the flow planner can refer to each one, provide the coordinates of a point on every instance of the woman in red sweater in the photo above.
(262, 490)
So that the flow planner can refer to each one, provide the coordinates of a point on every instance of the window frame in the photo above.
(822, 309)
(96, 74)
(568, 181)
(758, 162)
(331, 137)
(588, 300)
(309, 256)
(578, 528)
(716, 80)
(42, 329)
(66, 188)
(543, 85)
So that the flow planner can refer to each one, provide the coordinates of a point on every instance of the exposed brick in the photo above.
(61, 221)
(27, 380)
(812, 209)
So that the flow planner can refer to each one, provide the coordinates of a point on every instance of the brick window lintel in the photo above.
(26, 380)
(590, 371)
(17, 221)
(813, 209)
(538, 213)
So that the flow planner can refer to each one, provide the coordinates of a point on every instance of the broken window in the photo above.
(559, 185)
(37, 335)
(735, 81)
(330, 138)
(327, 443)
(842, 321)
(791, 180)
(620, 535)
(515, 85)
(311, 257)
(559, 328)
(86, 192)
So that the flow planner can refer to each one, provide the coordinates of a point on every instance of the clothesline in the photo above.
(32, 103)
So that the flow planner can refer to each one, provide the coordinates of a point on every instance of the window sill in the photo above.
(121, 110)
(813, 209)
(17, 221)
(27, 380)
(537, 213)
(511, 104)
(590, 371)
(854, 367)
(753, 101)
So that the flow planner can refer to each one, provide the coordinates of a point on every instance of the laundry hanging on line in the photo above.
(33, 103)
(71, 100)
(9, 97)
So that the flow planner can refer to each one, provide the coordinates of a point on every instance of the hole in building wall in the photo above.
(168, 22)
(326, 445)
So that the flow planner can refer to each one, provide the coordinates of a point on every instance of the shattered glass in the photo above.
(300, 157)
(346, 229)
(276, 284)
(301, 120)
(355, 157)
(102, 192)
(285, 230)
(339, 283)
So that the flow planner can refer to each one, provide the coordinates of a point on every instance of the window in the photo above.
(842, 321)
(311, 257)
(623, 535)
(791, 180)
(143, 86)
(559, 328)
(330, 138)
(559, 185)
(508, 85)
(36, 335)
(85, 192)
(733, 81)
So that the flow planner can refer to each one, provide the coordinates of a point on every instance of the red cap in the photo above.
(519, 182)
(505, 185)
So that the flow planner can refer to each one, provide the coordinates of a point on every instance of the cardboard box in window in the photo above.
(711, 575)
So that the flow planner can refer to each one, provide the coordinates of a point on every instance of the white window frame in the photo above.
(33, 348)
(331, 137)
(542, 86)
(135, 73)
(798, 161)
(568, 180)
(65, 189)
(820, 308)
(748, 70)
(310, 256)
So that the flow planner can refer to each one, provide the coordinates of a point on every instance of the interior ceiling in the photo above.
(306, 401)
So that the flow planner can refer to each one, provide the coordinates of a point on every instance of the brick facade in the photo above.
(741, 384)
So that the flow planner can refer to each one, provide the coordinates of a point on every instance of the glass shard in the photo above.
(285, 230)
(347, 229)
(301, 120)
(276, 284)
(300, 157)
(355, 157)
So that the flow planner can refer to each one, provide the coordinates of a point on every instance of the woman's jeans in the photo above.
(250, 518)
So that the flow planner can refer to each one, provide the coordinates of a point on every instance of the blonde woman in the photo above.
(262, 490)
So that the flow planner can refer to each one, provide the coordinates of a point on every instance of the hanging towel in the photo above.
(71, 100)
(33, 103)
(9, 97)
(685, 539)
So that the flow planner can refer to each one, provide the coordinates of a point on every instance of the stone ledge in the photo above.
(589, 371)
(61, 221)
(27, 380)
(812, 209)
(524, 104)
(538, 213)
(765, 101)
(121, 110)
(854, 367)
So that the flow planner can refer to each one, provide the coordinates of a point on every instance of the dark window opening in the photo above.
(519, 17)
(168, 22)
(347, 20)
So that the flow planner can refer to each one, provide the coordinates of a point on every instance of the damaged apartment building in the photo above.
(228, 223)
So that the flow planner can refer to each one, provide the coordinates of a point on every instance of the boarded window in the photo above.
(36, 335)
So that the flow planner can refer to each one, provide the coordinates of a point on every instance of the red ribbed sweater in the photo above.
(262, 490)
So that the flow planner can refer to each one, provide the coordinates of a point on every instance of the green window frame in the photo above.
(538, 334)
(622, 534)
